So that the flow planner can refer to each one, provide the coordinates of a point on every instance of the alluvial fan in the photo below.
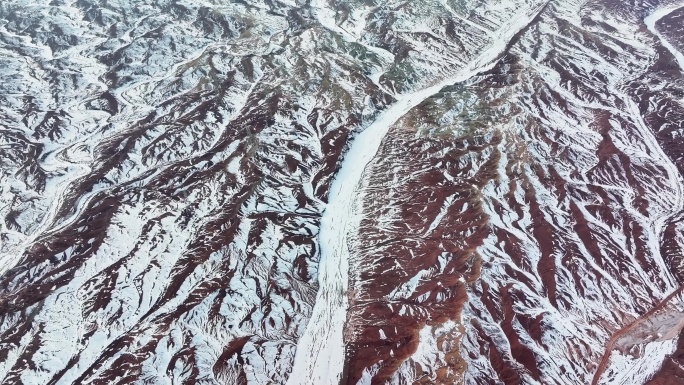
(341, 192)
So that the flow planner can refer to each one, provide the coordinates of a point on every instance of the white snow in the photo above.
(320, 352)
(626, 370)
(651, 21)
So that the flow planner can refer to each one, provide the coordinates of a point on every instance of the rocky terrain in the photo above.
(341, 192)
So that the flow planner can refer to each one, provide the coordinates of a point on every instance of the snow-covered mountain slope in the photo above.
(341, 192)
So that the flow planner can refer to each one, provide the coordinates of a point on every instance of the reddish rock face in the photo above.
(418, 250)
(577, 236)
(167, 168)
(671, 372)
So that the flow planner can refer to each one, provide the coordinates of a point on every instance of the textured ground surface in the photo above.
(341, 192)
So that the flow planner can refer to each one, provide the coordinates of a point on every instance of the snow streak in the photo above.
(320, 352)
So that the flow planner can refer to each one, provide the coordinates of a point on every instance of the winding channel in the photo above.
(320, 353)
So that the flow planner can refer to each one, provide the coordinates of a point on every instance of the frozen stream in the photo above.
(321, 350)
(651, 21)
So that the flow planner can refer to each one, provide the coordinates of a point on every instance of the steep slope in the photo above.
(572, 154)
